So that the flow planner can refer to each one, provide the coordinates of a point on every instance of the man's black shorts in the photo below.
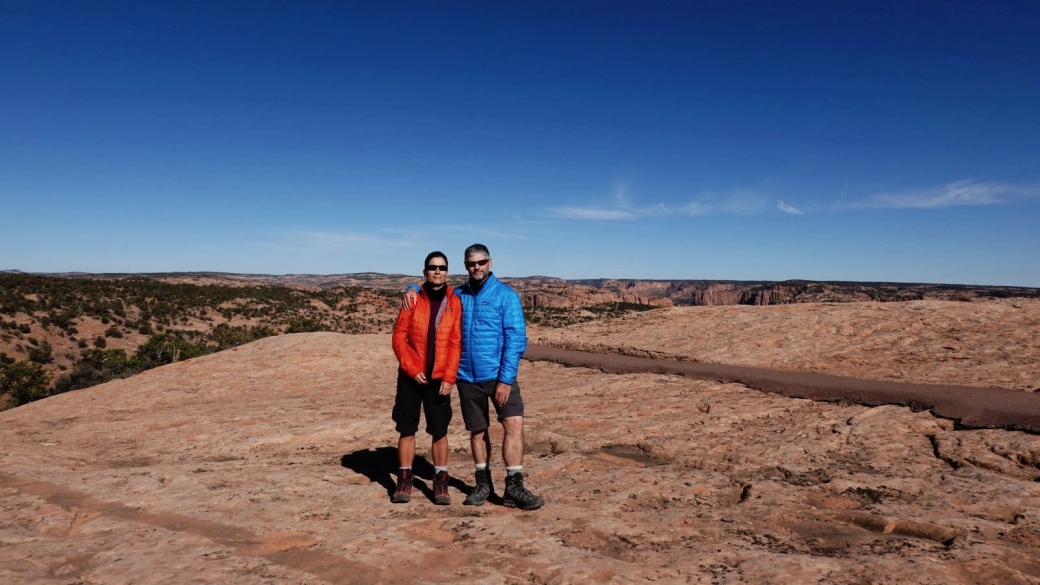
(412, 395)
(473, 399)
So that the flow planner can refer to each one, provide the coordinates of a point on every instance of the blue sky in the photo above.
(895, 141)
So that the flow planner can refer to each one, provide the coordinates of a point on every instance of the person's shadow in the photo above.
(380, 466)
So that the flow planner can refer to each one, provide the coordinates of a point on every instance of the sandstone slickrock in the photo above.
(934, 342)
(271, 463)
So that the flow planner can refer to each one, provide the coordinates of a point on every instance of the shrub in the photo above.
(100, 342)
(95, 366)
(226, 336)
(43, 354)
(113, 331)
(25, 381)
(164, 349)
(305, 325)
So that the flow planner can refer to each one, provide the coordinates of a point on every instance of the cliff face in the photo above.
(713, 293)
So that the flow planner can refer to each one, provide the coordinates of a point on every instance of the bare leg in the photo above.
(480, 445)
(406, 450)
(513, 443)
(439, 451)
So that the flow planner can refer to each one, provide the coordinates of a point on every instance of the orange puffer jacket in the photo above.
(409, 339)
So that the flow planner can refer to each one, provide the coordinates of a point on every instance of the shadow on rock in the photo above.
(379, 465)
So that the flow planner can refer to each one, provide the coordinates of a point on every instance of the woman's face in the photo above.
(436, 270)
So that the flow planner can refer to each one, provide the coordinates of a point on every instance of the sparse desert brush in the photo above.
(24, 381)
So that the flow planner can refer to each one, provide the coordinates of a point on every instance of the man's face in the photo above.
(478, 266)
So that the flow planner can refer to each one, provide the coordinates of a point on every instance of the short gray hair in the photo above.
(477, 249)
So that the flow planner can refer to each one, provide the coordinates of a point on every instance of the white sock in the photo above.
(480, 466)
(437, 469)
(514, 470)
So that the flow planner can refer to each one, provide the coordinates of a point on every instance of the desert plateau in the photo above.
(754, 287)
(272, 461)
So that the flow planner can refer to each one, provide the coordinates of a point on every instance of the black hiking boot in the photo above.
(517, 496)
(403, 493)
(440, 489)
(482, 490)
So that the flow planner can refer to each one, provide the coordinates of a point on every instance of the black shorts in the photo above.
(412, 395)
(474, 397)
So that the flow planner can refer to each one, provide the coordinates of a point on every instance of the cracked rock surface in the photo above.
(272, 463)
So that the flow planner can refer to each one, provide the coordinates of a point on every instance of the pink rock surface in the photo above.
(271, 464)
(995, 343)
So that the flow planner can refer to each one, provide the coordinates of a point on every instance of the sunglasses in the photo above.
(471, 264)
(436, 267)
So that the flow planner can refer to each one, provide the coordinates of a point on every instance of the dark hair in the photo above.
(435, 254)
(477, 249)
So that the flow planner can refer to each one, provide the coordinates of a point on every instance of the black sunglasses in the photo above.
(471, 264)
(436, 267)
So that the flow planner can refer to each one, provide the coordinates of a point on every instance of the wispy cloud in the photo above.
(740, 201)
(619, 209)
(967, 192)
(591, 213)
(789, 208)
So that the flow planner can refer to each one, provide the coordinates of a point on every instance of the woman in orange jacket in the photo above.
(427, 342)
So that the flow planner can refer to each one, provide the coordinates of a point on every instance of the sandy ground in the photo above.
(272, 463)
(937, 342)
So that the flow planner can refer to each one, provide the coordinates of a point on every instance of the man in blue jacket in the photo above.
(494, 338)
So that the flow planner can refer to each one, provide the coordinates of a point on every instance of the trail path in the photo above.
(970, 406)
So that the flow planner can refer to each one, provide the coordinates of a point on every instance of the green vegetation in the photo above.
(24, 381)
(98, 365)
(181, 321)
(561, 316)
(144, 304)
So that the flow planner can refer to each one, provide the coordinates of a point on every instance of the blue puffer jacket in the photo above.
(494, 335)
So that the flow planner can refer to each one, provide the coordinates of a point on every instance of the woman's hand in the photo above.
(408, 300)
(445, 388)
(420, 378)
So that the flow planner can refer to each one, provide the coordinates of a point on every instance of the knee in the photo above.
(513, 424)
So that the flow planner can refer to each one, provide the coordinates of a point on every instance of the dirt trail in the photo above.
(969, 406)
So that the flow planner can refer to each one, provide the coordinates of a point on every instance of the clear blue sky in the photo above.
(893, 141)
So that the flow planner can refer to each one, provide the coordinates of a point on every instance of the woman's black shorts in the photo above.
(412, 395)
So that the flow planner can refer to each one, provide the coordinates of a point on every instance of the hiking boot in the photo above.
(440, 489)
(517, 496)
(482, 490)
(403, 493)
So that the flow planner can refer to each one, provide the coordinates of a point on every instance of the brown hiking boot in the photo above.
(403, 493)
(440, 489)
